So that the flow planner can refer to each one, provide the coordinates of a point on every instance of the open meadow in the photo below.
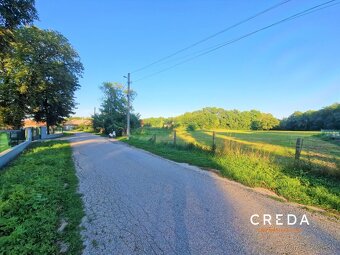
(257, 159)
(315, 150)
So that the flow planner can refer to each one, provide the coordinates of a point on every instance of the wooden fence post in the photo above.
(154, 138)
(298, 148)
(175, 138)
(214, 142)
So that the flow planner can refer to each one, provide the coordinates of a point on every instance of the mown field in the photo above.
(38, 193)
(258, 159)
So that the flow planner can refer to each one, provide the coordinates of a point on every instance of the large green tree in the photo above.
(113, 111)
(13, 14)
(39, 77)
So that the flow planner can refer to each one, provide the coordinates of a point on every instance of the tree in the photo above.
(40, 77)
(113, 111)
(268, 121)
(154, 122)
(14, 13)
(326, 118)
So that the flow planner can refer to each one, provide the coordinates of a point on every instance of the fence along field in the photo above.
(322, 155)
(264, 159)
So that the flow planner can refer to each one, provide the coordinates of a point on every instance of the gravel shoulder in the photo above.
(138, 203)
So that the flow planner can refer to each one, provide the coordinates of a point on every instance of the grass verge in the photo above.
(37, 191)
(290, 179)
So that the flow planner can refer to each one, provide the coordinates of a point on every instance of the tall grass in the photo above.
(294, 180)
(287, 177)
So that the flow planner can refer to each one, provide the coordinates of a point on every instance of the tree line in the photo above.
(326, 118)
(39, 69)
(211, 117)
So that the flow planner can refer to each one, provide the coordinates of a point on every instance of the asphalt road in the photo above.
(139, 203)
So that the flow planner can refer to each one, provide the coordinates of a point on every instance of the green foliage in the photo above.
(37, 190)
(154, 122)
(40, 77)
(4, 141)
(14, 13)
(192, 126)
(113, 111)
(39, 69)
(326, 118)
(265, 121)
(85, 128)
(212, 118)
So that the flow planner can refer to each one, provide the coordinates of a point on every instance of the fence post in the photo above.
(29, 134)
(154, 138)
(214, 142)
(175, 138)
(298, 148)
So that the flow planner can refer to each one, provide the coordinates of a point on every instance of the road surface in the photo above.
(139, 203)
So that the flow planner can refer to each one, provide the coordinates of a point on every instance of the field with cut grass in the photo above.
(257, 159)
(38, 196)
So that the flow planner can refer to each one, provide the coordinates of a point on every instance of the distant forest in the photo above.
(326, 118)
(211, 117)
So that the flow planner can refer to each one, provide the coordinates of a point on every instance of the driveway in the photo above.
(138, 203)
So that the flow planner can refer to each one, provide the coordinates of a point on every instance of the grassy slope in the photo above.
(293, 180)
(38, 189)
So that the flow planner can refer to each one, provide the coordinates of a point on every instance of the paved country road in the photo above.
(139, 203)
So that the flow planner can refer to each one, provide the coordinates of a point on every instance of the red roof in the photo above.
(32, 123)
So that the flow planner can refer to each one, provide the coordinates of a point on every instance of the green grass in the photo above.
(3, 142)
(323, 156)
(68, 133)
(37, 190)
(303, 181)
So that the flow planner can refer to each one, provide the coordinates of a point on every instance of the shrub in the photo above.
(192, 127)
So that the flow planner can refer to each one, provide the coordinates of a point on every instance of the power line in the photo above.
(216, 47)
(211, 36)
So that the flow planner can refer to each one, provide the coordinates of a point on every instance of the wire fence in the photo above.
(289, 145)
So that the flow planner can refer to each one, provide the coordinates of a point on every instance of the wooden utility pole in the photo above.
(214, 142)
(128, 110)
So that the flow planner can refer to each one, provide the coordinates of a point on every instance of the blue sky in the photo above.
(289, 67)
